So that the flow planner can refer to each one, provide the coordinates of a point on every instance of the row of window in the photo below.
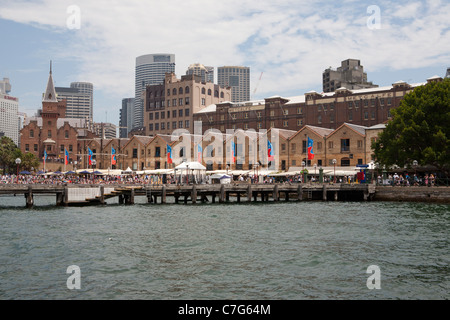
(49, 134)
(164, 126)
(365, 103)
(186, 90)
(35, 148)
(157, 115)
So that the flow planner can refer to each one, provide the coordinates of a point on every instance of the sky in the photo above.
(289, 42)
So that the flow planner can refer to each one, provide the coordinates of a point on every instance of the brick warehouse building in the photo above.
(364, 107)
(53, 132)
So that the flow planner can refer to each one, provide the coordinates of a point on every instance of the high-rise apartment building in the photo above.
(126, 117)
(349, 75)
(150, 70)
(205, 72)
(79, 99)
(9, 112)
(238, 78)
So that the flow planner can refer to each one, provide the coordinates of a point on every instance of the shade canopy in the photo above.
(191, 165)
(24, 172)
(70, 172)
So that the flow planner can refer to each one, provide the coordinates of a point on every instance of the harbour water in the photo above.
(295, 250)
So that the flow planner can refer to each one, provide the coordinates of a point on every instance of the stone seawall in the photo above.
(413, 194)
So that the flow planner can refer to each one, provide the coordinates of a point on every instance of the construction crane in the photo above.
(257, 84)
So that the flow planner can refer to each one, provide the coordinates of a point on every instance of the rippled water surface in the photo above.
(306, 250)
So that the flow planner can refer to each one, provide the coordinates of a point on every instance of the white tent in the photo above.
(191, 166)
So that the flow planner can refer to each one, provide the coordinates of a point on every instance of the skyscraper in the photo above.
(350, 75)
(150, 70)
(126, 117)
(238, 78)
(207, 73)
(79, 99)
(9, 112)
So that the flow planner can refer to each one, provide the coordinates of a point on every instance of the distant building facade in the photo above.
(5, 86)
(172, 105)
(150, 70)
(349, 75)
(126, 117)
(205, 72)
(447, 75)
(79, 99)
(105, 130)
(364, 107)
(238, 78)
(9, 112)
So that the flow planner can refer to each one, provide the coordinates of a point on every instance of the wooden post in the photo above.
(194, 194)
(59, 198)
(29, 197)
(222, 194)
(287, 196)
(163, 194)
(335, 196)
(66, 196)
(131, 200)
(275, 194)
(102, 194)
(238, 197)
(299, 193)
(324, 193)
(249, 193)
(121, 199)
(148, 191)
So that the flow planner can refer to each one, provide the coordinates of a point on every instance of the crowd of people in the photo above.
(61, 179)
(407, 180)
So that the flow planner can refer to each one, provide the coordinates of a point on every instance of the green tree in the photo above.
(419, 129)
(29, 160)
(8, 151)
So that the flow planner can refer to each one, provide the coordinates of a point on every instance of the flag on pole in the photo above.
(199, 153)
(113, 156)
(233, 152)
(310, 149)
(66, 156)
(169, 154)
(269, 151)
(45, 157)
(90, 156)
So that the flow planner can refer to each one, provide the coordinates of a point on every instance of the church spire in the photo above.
(50, 92)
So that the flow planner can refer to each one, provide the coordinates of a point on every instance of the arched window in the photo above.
(168, 92)
(221, 94)
(203, 91)
(216, 93)
(186, 90)
(209, 92)
(180, 91)
(174, 91)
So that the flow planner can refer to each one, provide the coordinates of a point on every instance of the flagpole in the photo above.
(306, 154)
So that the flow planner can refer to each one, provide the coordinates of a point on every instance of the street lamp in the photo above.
(18, 161)
(334, 164)
(303, 171)
(93, 164)
(75, 163)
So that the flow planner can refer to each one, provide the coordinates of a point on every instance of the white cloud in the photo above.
(292, 42)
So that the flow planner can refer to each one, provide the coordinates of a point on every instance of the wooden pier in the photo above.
(240, 192)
